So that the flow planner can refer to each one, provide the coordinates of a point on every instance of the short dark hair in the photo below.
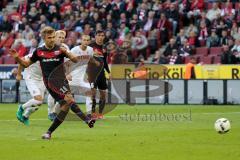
(99, 31)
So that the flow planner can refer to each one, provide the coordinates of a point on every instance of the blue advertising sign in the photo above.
(6, 71)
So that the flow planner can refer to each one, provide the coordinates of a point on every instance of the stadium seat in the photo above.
(202, 43)
(203, 51)
(8, 60)
(223, 5)
(237, 6)
(187, 59)
(205, 60)
(216, 60)
(215, 51)
(209, 5)
(1, 60)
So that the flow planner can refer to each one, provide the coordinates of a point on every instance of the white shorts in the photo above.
(35, 87)
(79, 86)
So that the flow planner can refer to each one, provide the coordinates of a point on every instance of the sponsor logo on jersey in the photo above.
(51, 60)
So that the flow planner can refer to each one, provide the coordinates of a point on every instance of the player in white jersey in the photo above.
(34, 82)
(78, 75)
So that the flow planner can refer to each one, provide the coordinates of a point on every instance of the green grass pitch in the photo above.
(177, 136)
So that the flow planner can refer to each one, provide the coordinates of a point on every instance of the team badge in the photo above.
(56, 52)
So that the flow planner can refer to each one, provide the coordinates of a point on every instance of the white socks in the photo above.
(29, 111)
(88, 105)
(30, 107)
(31, 103)
(51, 104)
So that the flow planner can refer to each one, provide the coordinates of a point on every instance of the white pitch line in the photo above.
(143, 114)
(41, 119)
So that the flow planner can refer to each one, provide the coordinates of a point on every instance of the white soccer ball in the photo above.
(222, 125)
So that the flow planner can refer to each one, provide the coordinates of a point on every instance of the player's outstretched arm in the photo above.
(24, 62)
(19, 72)
(68, 54)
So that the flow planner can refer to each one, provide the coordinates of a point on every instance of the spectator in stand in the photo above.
(196, 7)
(69, 23)
(23, 7)
(152, 41)
(76, 15)
(227, 56)
(185, 49)
(94, 20)
(228, 12)
(235, 31)
(159, 58)
(164, 27)
(173, 17)
(140, 43)
(113, 31)
(42, 6)
(33, 16)
(135, 24)
(14, 15)
(142, 11)
(172, 45)
(123, 30)
(6, 26)
(78, 27)
(191, 28)
(55, 24)
(66, 7)
(204, 19)
(150, 22)
(213, 40)
(203, 32)
(175, 58)
(230, 43)
(214, 12)
(181, 37)
(53, 13)
(221, 25)
(131, 10)
(158, 8)
(123, 19)
(193, 40)
(236, 47)
(224, 38)
(44, 20)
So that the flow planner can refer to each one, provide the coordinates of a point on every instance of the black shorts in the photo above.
(58, 90)
(101, 82)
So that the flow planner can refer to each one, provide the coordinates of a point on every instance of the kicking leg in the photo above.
(58, 120)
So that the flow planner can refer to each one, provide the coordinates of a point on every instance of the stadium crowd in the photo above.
(172, 31)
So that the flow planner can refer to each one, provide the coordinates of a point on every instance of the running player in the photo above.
(77, 76)
(101, 82)
(51, 57)
(34, 82)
